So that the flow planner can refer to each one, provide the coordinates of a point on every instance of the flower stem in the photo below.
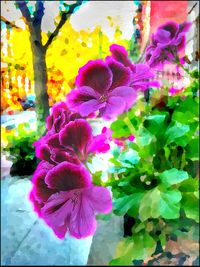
(130, 125)
(180, 65)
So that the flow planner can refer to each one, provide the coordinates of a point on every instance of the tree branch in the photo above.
(24, 10)
(9, 23)
(192, 8)
(39, 13)
(64, 17)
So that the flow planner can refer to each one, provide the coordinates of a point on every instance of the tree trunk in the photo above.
(40, 77)
(40, 82)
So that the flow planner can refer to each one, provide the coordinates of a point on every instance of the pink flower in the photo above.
(65, 198)
(73, 144)
(60, 116)
(78, 135)
(141, 75)
(104, 87)
(166, 43)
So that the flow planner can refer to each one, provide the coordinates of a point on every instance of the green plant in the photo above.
(21, 151)
(154, 179)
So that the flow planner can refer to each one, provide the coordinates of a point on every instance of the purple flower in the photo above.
(72, 144)
(65, 198)
(78, 135)
(120, 54)
(104, 87)
(60, 116)
(141, 75)
(166, 43)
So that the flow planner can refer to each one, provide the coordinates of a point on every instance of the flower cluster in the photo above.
(109, 86)
(166, 44)
(63, 194)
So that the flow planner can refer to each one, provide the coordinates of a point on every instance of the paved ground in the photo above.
(26, 240)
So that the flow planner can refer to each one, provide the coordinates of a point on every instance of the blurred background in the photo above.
(33, 80)
(86, 34)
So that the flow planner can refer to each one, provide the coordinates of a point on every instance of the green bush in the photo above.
(156, 182)
(20, 149)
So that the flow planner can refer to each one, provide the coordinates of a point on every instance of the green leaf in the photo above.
(145, 137)
(173, 176)
(183, 117)
(189, 185)
(189, 104)
(144, 246)
(176, 131)
(156, 203)
(138, 228)
(124, 260)
(123, 204)
(120, 129)
(124, 253)
(96, 178)
(192, 149)
(163, 239)
(190, 204)
(194, 74)
(155, 123)
(138, 247)
(129, 158)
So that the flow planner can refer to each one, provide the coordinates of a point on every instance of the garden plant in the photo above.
(152, 179)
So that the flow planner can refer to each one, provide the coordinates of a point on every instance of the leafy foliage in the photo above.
(155, 177)
(18, 142)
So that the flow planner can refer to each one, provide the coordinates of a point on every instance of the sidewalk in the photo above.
(26, 240)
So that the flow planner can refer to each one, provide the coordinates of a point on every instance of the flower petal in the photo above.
(57, 211)
(100, 198)
(58, 156)
(141, 72)
(95, 74)
(43, 152)
(184, 27)
(145, 85)
(89, 107)
(37, 206)
(121, 74)
(120, 54)
(171, 26)
(128, 95)
(76, 134)
(114, 107)
(162, 36)
(180, 42)
(41, 191)
(54, 141)
(68, 176)
(81, 95)
(49, 122)
(100, 143)
(84, 100)
(82, 221)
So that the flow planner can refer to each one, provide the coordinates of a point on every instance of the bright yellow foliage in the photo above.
(68, 52)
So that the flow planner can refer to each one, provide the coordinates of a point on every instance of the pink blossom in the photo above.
(141, 75)
(73, 144)
(65, 198)
(166, 44)
(104, 87)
